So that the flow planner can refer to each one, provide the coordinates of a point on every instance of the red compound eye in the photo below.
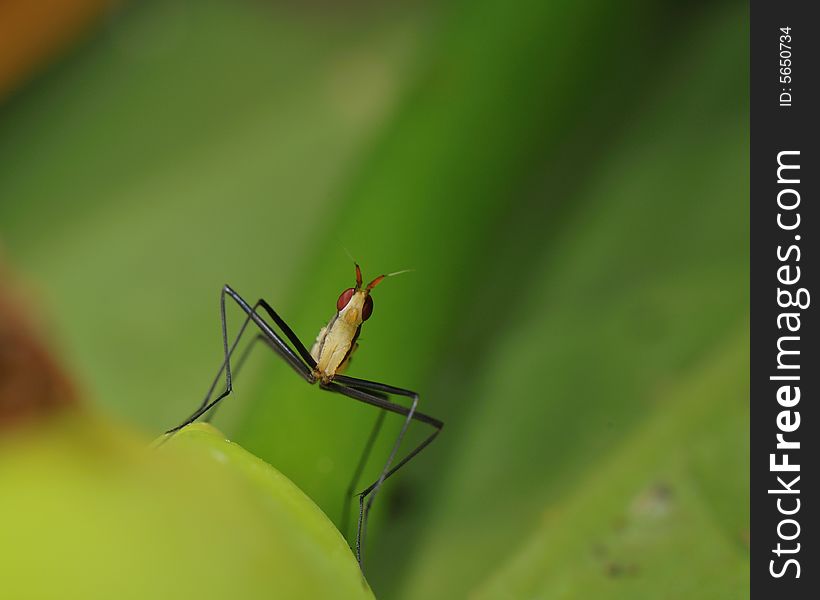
(344, 298)
(367, 309)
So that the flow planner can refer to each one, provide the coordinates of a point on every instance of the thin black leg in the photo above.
(244, 357)
(271, 337)
(276, 342)
(294, 339)
(363, 392)
(373, 386)
(368, 398)
(354, 481)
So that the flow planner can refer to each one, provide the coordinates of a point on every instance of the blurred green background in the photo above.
(569, 181)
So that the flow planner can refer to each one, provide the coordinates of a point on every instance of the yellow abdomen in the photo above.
(332, 347)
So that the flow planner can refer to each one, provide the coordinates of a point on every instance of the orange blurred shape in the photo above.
(32, 383)
(32, 32)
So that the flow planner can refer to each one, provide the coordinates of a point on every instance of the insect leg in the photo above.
(367, 497)
(276, 342)
(294, 339)
(354, 481)
(272, 339)
(345, 385)
(235, 371)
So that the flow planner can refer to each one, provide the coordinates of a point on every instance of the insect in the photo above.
(328, 357)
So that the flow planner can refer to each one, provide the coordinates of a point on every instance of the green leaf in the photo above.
(640, 523)
(644, 279)
(88, 513)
